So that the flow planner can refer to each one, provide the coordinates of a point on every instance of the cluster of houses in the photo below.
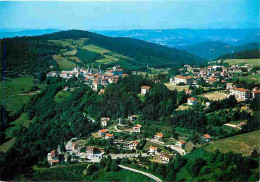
(97, 78)
(212, 74)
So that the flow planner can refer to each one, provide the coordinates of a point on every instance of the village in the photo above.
(159, 148)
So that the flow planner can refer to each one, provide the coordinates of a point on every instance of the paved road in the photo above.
(114, 156)
(141, 172)
(233, 126)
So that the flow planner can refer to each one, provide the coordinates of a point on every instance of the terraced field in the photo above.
(243, 143)
(254, 62)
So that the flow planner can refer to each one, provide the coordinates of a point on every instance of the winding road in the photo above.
(141, 172)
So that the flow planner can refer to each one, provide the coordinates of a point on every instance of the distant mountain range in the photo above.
(18, 32)
(214, 49)
(184, 37)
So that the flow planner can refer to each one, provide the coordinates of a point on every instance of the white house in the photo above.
(165, 158)
(181, 143)
(183, 79)
(104, 121)
(132, 145)
(137, 128)
(153, 149)
(145, 90)
(192, 101)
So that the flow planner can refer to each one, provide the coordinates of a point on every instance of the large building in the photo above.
(188, 80)
(240, 93)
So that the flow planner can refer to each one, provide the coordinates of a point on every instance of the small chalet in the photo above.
(102, 132)
(192, 101)
(132, 145)
(206, 138)
(104, 121)
(137, 128)
(181, 144)
(109, 136)
(145, 90)
(53, 157)
(153, 149)
(158, 136)
(75, 147)
(165, 158)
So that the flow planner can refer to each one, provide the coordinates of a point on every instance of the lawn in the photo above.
(95, 49)
(254, 62)
(214, 96)
(243, 143)
(21, 121)
(64, 63)
(148, 144)
(14, 86)
(15, 102)
(76, 172)
(61, 96)
(177, 87)
(7, 145)
(122, 175)
(251, 79)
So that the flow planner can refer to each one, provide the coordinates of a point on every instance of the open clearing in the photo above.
(61, 96)
(15, 102)
(243, 143)
(14, 86)
(254, 62)
(251, 79)
(21, 121)
(172, 86)
(7, 145)
(214, 96)
(64, 63)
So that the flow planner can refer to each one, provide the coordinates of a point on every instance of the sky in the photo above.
(126, 14)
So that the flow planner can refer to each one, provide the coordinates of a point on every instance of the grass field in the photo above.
(251, 79)
(254, 62)
(214, 96)
(7, 145)
(21, 121)
(244, 143)
(64, 63)
(76, 172)
(122, 175)
(61, 96)
(177, 87)
(15, 103)
(15, 86)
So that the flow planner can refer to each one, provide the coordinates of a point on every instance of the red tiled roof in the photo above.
(159, 135)
(136, 142)
(192, 98)
(152, 147)
(182, 142)
(103, 131)
(207, 136)
(256, 91)
(145, 87)
(138, 126)
(109, 134)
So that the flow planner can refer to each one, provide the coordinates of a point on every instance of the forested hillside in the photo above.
(249, 54)
(29, 55)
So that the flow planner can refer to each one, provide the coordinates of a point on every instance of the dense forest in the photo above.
(248, 54)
